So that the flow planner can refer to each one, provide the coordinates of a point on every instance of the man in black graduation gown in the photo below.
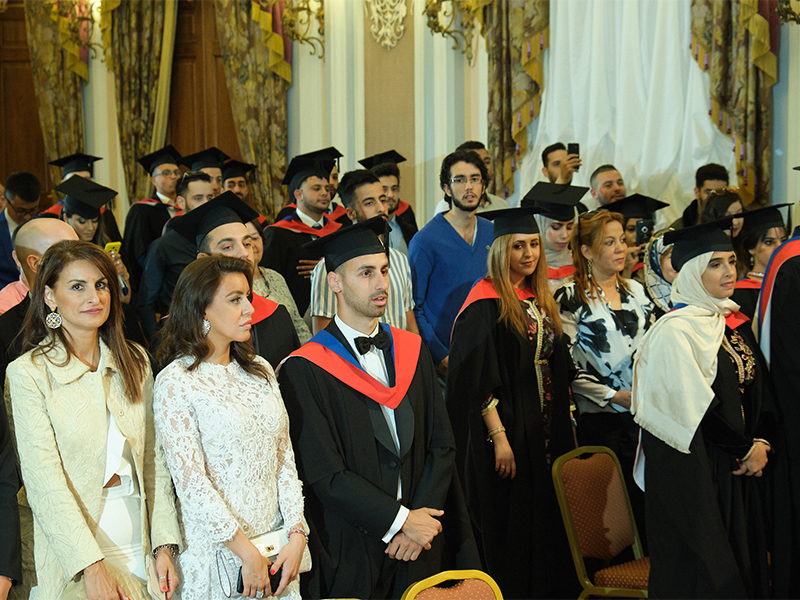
(146, 219)
(169, 254)
(218, 227)
(208, 161)
(284, 240)
(11, 547)
(234, 179)
(335, 211)
(402, 222)
(372, 439)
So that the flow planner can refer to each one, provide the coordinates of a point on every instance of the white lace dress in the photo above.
(226, 437)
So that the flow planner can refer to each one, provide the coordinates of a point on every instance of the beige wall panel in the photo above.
(389, 100)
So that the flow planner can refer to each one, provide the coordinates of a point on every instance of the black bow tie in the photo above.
(381, 341)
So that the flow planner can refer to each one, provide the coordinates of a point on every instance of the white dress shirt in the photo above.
(373, 363)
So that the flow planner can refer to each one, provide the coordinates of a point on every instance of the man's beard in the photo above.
(461, 206)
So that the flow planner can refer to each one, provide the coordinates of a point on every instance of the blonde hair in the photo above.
(511, 312)
(590, 231)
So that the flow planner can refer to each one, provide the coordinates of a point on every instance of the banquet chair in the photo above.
(470, 585)
(599, 522)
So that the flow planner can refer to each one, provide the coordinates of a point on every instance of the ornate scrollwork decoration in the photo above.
(442, 16)
(76, 23)
(298, 23)
(387, 18)
(786, 12)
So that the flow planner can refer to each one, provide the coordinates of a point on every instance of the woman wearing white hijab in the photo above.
(698, 395)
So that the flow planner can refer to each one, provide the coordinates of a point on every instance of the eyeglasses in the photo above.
(461, 180)
(724, 190)
(186, 175)
(24, 212)
(174, 173)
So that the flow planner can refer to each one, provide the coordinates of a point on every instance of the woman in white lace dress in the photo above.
(225, 432)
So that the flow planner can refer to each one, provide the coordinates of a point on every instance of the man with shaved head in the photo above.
(31, 240)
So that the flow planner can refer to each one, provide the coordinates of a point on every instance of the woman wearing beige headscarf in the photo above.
(698, 394)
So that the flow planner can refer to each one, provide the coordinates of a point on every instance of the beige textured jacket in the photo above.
(60, 425)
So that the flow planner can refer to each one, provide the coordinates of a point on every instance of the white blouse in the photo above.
(226, 437)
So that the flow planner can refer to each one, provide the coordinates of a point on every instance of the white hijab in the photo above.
(555, 260)
(676, 362)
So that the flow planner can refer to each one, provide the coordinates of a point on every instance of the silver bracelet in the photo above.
(172, 548)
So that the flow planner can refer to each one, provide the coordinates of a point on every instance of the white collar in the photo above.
(13, 224)
(308, 220)
(165, 199)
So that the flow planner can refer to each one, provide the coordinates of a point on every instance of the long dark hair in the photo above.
(183, 333)
(130, 360)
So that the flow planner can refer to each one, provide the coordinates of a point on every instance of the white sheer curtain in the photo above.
(620, 80)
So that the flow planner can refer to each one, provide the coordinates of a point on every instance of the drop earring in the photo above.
(53, 320)
(589, 267)
(206, 327)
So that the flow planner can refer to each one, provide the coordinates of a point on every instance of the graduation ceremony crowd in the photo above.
(341, 403)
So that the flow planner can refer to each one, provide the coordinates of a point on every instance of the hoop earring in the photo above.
(53, 320)
(206, 327)
(589, 268)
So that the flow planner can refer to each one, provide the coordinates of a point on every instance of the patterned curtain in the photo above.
(258, 93)
(135, 57)
(58, 88)
(736, 42)
(517, 32)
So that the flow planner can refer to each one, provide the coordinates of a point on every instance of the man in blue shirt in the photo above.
(449, 254)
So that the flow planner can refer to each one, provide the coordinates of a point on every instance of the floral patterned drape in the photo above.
(517, 32)
(135, 58)
(736, 42)
(58, 89)
(258, 100)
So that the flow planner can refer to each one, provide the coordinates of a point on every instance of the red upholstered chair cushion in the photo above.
(634, 574)
(468, 589)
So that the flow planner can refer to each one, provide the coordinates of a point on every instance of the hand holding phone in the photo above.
(574, 148)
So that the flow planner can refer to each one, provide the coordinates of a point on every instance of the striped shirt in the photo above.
(400, 301)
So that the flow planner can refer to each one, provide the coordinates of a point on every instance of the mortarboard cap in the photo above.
(797, 168)
(75, 162)
(301, 169)
(199, 222)
(763, 219)
(513, 220)
(390, 156)
(84, 197)
(359, 239)
(555, 201)
(236, 168)
(167, 155)
(210, 158)
(329, 153)
(690, 242)
(635, 206)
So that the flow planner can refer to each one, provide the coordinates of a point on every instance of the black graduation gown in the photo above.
(407, 222)
(11, 546)
(785, 376)
(349, 466)
(275, 337)
(746, 296)
(282, 251)
(10, 327)
(168, 256)
(709, 531)
(143, 225)
(517, 522)
(340, 215)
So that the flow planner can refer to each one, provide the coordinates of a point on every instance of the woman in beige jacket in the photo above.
(94, 472)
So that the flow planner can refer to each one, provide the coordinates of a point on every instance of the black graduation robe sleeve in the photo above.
(11, 545)
(321, 450)
(275, 337)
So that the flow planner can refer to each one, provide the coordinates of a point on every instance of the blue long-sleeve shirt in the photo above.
(443, 268)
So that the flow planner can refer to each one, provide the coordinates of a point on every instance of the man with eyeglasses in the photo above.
(449, 254)
(22, 204)
(170, 254)
(488, 201)
(146, 219)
